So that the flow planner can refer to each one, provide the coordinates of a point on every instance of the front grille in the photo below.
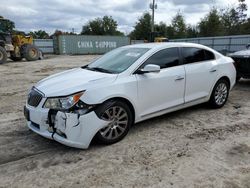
(34, 98)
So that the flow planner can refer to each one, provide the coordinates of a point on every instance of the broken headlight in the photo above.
(62, 103)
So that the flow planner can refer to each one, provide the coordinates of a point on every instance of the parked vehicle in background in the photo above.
(16, 46)
(242, 62)
(161, 39)
(125, 86)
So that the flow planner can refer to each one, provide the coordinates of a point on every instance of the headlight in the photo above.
(62, 103)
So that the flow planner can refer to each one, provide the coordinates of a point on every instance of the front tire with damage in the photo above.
(120, 117)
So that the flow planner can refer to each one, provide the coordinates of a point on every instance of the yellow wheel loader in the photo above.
(161, 39)
(16, 46)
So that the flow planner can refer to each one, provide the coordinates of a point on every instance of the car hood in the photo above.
(72, 81)
(242, 53)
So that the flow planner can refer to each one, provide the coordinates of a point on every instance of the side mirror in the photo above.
(150, 68)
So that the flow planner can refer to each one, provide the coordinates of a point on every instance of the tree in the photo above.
(101, 26)
(6, 25)
(211, 25)
(142, 28)
(233, 18)
(161, 29)
(192, 31)
(245, 27)
(40, 34)
(179, 26)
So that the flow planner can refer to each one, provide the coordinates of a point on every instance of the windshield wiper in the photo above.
(99, 69)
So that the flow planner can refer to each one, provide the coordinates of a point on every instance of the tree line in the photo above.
(218, 22)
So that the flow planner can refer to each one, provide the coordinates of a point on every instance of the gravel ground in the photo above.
(194, 147)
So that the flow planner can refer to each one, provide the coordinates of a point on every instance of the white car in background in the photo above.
(125, 86)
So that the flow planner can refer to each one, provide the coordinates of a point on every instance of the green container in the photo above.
(88, 44)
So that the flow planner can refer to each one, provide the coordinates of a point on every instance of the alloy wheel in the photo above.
(221, 93)
(118, 118)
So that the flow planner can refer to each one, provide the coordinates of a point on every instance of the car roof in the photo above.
(166, 45)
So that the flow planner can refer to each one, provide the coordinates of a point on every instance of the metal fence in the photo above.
(46, 45)
(224, 44)
(137, 41)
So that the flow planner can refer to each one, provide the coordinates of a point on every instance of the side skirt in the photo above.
(172, 109)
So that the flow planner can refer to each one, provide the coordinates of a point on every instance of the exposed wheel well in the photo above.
(227, 79)
(131, 107)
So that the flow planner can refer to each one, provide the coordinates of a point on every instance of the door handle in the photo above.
(213, 70)
(178, 78)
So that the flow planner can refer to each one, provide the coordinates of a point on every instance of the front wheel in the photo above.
(120, 117)
(31, 52)
(220, 94)
(3, 55)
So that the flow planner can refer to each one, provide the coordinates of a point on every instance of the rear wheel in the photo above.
(31, 52)
(120, 117)
(3, 55)
(220, 94)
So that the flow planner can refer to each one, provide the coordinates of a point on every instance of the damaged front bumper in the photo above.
(70, 129)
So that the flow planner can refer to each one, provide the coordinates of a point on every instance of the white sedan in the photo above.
(125, 86)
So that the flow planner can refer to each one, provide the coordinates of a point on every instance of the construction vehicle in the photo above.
(161, 39)
(16, 46)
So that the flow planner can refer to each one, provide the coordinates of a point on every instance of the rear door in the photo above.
(201, 71)
(159, 91)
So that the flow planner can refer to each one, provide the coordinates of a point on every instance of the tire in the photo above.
(121, 119)
(16, 58)
(31, 52)
(220, 94)
(40, 55)
(3, 55)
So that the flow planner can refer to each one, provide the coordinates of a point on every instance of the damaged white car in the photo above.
(125, 86)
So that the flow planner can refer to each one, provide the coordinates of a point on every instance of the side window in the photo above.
(209, 55)
(191, 55)
(165, 58)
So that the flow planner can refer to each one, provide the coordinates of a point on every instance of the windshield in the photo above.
(117, 60)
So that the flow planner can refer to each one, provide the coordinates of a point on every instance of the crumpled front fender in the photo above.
(79, 130)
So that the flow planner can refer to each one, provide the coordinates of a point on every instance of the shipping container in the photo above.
(88, 44)
(45, 45)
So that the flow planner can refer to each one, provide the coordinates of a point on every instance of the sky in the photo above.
(49, 15)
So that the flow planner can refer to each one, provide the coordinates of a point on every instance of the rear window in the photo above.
(192, 55)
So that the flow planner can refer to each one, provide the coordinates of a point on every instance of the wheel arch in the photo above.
(225, 78)
(217, 80)
(126, 101)
(211, 100)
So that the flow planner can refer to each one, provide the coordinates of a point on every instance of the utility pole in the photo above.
(153, 6)
(153, 15)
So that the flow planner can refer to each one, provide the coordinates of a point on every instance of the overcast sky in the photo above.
(49, 15)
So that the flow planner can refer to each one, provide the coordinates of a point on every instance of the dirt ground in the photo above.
(196, 147)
